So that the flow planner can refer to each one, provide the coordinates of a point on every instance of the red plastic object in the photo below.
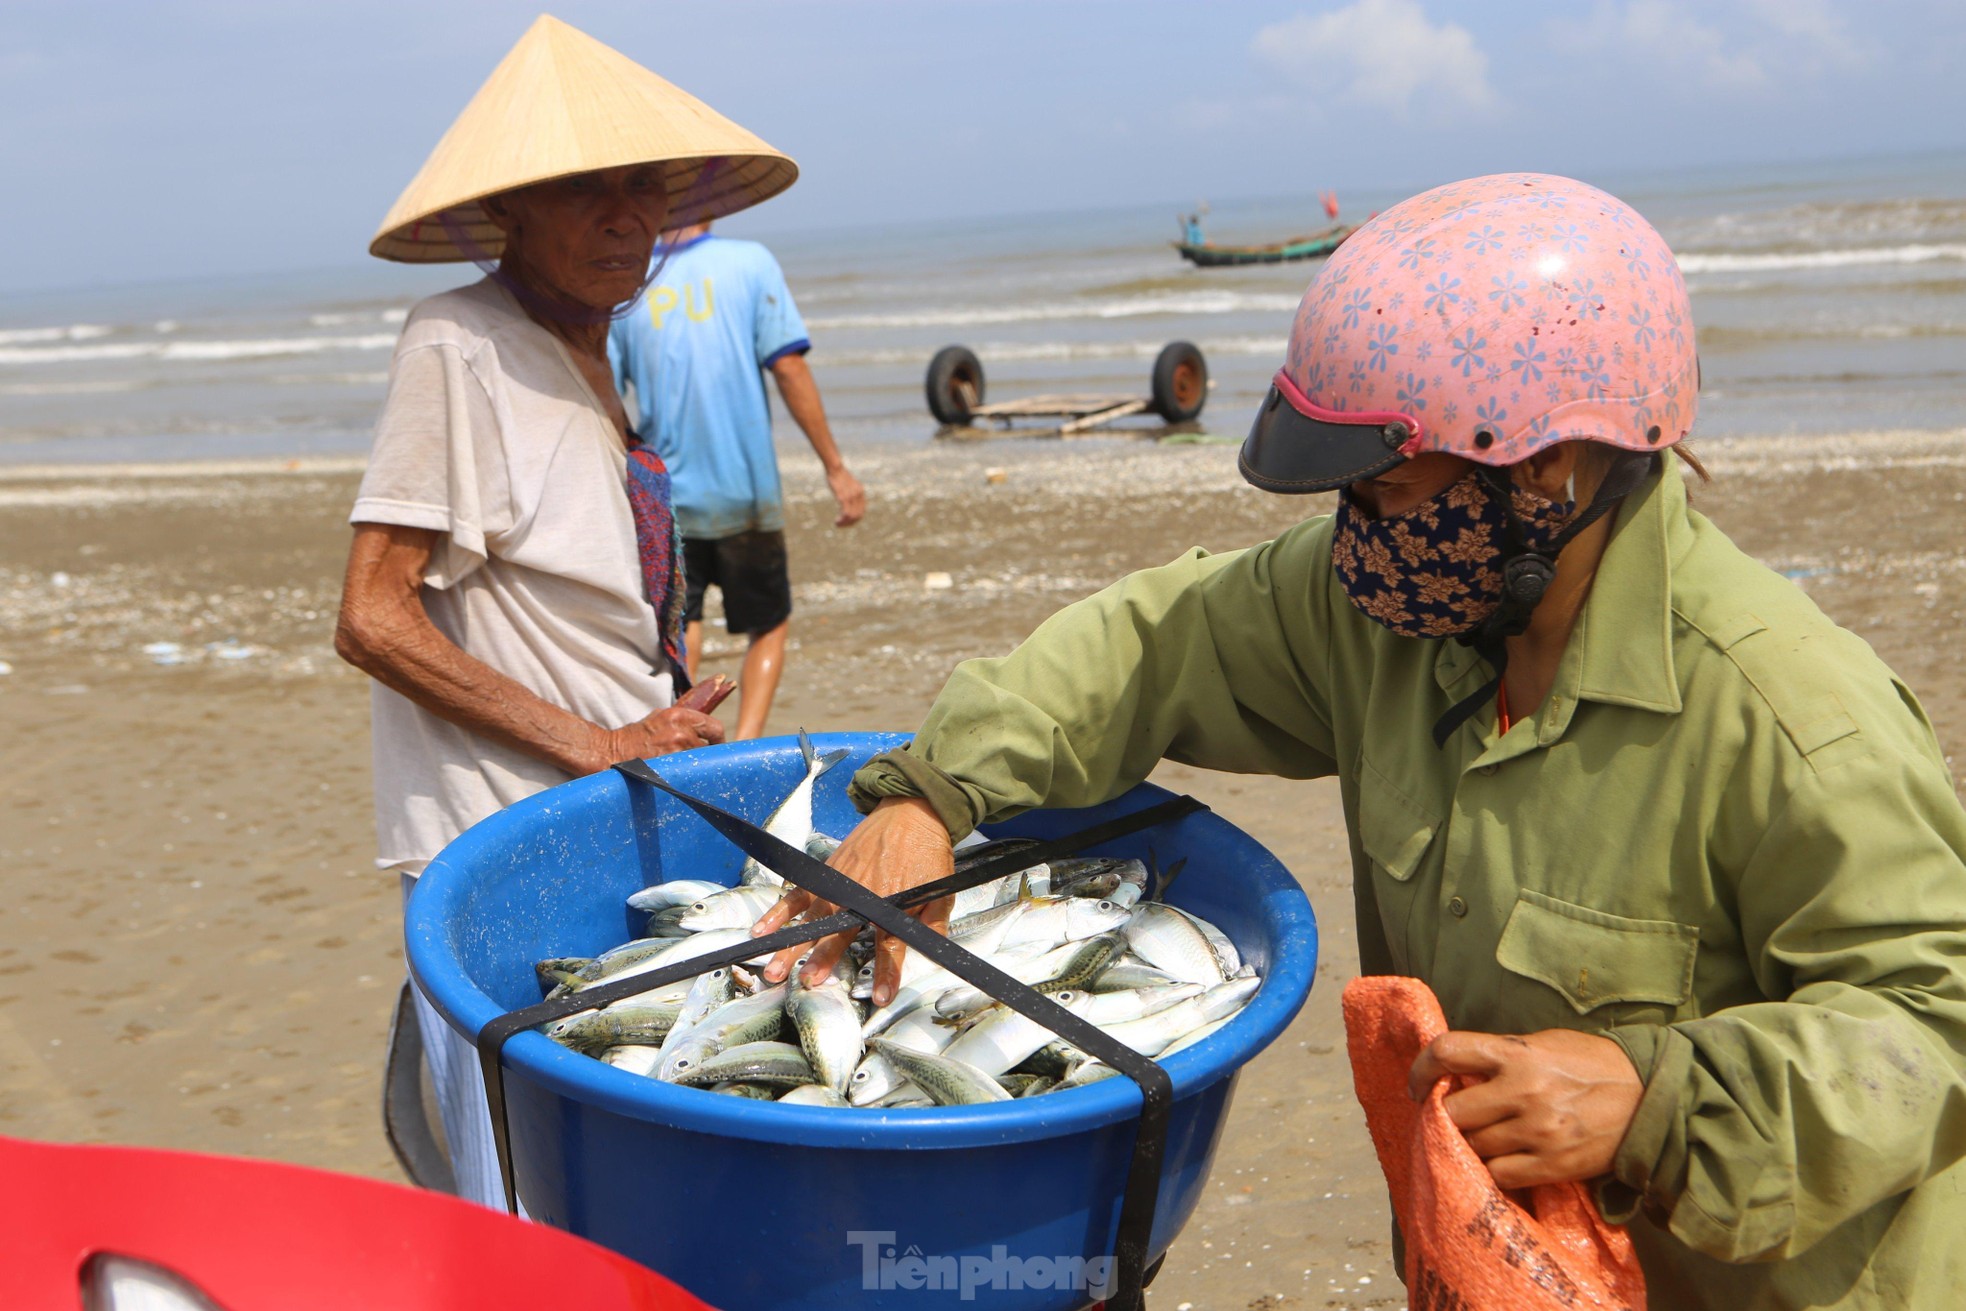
(258, 1236)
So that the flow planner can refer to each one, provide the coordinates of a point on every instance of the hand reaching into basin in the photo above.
(901, 845)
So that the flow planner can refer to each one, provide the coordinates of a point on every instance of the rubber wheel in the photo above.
(1180, 382)
(955, 385)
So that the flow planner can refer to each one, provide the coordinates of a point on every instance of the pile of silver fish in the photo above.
(1080, 931)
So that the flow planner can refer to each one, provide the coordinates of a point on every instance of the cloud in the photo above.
(1743, 47)
(1816, 31)
(1661, 34)
(1380, 52)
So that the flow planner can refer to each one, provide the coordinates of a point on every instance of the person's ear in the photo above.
(500, 213)
(1549, 472)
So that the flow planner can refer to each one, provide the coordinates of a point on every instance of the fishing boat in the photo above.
(1315, 246)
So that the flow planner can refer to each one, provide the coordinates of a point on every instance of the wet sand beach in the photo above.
(198, 952)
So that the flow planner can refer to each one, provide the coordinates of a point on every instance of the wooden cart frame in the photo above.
(1180, 387)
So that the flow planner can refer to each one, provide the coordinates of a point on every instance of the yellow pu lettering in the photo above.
(689, 303)
(661, 301)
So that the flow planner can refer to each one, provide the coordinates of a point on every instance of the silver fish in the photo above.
(676, 892)
(947, 1082)
(1129, 972)
(1168, 940)
(922, 981)
(757, 1092)
(828, 1025)
(1103, 1008)
(773, 1064)
(616, 959)
(1150, 1035)
(1208, 1030)
(593, 1032)
(1087, 1072)
(683, 949)
(791, 822)
(708, 992)
(1057, 1059)
(1026, 964)
(1096, 876)
(558, 982)
(1053, 920)
(813, 1094)
(874, 1078)
(1087, 962)
(1002, 1038)
(984, 932)
(907, 1095)
(730, 908)
(550, 969)
(1038, 882)
(997, 892)
(740, 1020)
(667, 923)
(1226, 954)
(1020, 1085)
(635, 1060)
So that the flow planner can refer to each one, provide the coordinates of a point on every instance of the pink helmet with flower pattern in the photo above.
(1489, 319)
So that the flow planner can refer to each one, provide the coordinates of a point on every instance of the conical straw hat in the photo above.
(561, 103)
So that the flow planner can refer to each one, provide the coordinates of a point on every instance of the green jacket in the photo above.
(1727, 840)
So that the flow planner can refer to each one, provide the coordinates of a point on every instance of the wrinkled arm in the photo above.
(1765, 1126)
(1194, 661)
(384, 631)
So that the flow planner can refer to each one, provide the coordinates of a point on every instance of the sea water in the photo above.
(1828, 297)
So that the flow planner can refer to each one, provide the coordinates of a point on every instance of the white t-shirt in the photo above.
(491, 436)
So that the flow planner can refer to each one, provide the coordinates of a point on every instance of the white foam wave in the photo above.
(69, 388)
(1187, 302)
(73, 332)
(255, 348)
(364, 316)
(1819, 259)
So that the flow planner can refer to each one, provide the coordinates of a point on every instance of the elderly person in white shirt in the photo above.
(514, 585)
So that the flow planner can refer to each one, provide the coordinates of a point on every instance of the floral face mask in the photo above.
(1434, 570)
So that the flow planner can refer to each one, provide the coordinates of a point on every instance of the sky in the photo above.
(191, 138)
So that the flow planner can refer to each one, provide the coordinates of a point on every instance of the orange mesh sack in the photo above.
(1469, 1245)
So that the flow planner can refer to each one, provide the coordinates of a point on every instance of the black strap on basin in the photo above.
(1130, 1274)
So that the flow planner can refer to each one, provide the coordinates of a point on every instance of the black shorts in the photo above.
(749, 569)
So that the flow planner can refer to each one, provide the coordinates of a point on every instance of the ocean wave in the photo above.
(1031, 351)
(1192, 302)
(73, 332)
(1720, 262)
(394, 315)
(1724, 335)
(195, 351)
(71, 388)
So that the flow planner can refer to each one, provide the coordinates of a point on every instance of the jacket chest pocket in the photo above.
(1395, 832)
(1641, 970)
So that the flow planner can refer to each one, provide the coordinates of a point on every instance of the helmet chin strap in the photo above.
(1527, 575)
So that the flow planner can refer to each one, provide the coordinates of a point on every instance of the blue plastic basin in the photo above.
(752, 1205)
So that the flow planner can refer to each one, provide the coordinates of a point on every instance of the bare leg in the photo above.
(763, 663)
(693, 647)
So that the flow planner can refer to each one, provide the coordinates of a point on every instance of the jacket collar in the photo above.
(1620, 652)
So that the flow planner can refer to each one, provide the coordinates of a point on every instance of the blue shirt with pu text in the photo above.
(695, 348)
